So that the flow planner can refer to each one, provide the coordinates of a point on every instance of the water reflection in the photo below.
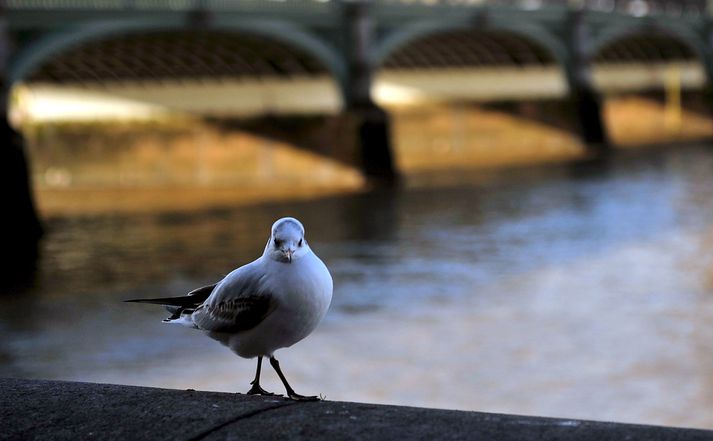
(553, 291)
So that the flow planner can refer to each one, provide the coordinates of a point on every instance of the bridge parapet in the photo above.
(163, 5)
(629, 7)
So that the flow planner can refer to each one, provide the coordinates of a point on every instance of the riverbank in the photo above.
(35, 409)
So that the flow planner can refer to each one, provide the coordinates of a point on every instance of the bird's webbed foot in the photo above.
(297, 397)
(257, 390)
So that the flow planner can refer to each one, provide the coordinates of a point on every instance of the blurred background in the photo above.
(514, 198)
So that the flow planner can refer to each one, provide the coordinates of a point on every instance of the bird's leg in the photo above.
(256, 389)
(290, 392)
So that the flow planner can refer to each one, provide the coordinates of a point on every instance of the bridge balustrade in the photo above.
(631, 7)
(635, 7)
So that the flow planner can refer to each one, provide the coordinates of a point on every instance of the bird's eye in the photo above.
(278, 242)
(299, 244)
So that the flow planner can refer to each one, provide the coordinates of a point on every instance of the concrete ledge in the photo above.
(31, 409)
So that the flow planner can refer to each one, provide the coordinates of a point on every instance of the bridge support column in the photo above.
(707, 61)
(20, 227)
(589, 114)
(707, 93)
(374, 142)
(372, 124)
(583, 98)
(20, 221)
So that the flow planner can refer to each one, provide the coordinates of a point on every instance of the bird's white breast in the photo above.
(302, 291)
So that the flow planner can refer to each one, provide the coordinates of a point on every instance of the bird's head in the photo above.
(287, 241)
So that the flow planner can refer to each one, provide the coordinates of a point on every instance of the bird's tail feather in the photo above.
(181, 307)
(192, 299)
(167, 301)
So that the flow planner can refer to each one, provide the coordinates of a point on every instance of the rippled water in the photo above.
(572, 291)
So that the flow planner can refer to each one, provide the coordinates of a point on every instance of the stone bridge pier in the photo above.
(583, 97)
(372, 123)
(20, 227)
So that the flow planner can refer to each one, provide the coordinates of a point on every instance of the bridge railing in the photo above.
(632, 7)
(165, 5)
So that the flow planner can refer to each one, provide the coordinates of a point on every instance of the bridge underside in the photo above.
(232, 74)
(229, 74)
(215, 56)
(158, 56)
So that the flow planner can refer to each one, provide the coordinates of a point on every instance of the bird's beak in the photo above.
(288, 255)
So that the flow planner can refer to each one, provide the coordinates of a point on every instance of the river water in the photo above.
(581, 291)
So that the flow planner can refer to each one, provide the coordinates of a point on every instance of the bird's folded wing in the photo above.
(239, 304)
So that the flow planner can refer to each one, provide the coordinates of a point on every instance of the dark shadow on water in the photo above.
(20, 268)
(592, 167)
(557, 113)
(315, 134)
(554, 113)
(373, 215)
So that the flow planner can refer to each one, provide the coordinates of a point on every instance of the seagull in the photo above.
(268, 304)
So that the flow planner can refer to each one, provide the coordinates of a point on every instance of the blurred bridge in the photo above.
(350, 43)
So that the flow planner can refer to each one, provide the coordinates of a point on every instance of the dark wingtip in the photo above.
(194, 298)
(154, 301)
(182, 301)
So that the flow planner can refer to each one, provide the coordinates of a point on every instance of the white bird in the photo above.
(268, 304)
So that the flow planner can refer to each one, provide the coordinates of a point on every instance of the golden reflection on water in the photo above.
(69, 202)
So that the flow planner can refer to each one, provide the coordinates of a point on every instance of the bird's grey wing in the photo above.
(239, 303)
(198, 296)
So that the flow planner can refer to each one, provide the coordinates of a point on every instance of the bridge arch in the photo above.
(674, 31)
(455, 81)
(422, 29)
(34, 55)
(651, 76)
(471, 47)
